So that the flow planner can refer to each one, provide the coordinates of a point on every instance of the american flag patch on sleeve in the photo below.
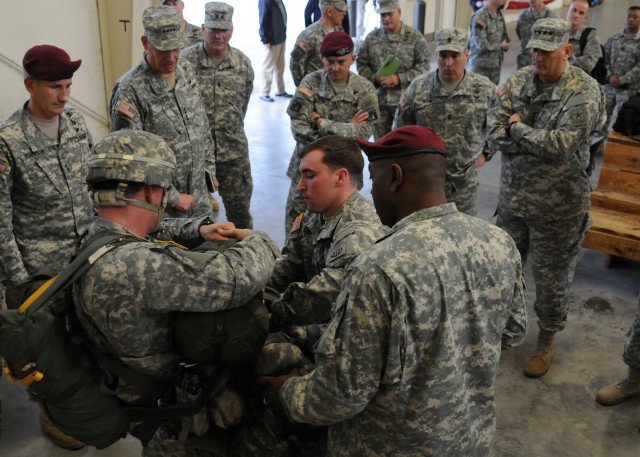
(128, 110)
(502, 90)
(3, 164)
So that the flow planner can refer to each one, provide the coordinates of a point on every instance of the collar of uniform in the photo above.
(395, 36)
(464, 88)
(36, 139)
(229, 60)
(423, 214)
(326, 90)
(557, 90)
(157, 83)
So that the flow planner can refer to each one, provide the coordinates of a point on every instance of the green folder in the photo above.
(389, 66)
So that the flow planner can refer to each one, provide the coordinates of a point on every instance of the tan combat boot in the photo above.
(56, 435)
(539, 363)
(617, 393)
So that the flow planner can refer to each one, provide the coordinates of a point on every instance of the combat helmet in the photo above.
(129, 156)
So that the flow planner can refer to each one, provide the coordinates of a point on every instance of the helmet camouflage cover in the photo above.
(132, 156)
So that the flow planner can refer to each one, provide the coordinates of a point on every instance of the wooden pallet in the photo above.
(616, 201)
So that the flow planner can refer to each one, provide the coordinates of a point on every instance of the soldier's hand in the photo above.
(480, 162)
(186, 203)
(614, 80)
(504, 45)
(389, 81)
(515, 117)
(211, 232)
(272, 385)
(237, 233)
(360, 118)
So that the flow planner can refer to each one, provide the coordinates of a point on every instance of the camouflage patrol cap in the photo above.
(387, 6)
(339, 4)
(132, 156)
(218, 15)
(454, 39)
(548, 34)
(162, 26)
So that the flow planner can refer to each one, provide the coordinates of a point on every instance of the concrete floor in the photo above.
(553, 416)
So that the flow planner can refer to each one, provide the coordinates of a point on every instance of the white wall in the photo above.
(68, 24)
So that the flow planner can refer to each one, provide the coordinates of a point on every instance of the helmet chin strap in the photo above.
(102, 198)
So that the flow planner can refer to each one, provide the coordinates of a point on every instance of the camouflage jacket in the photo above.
(142, 100)
(315, 258)
(316, 94)
(459, 117)
(484, 47)
(588, 58)
(126, 298)
(523, 31)
(194, 35)
(408, 361)
(45, 202)
(408, 45)
(622, 58)
(226, 89)
(545, 157)
(305, 57)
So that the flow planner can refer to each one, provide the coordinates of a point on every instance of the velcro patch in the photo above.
(403, 101)
(296, 105)
(502, 89)
(578, 117)
(4, 164)
(305, 90)
(128, 110)
(297, 224)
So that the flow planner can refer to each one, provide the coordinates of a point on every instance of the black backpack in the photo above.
(628, 120)
(599, 72)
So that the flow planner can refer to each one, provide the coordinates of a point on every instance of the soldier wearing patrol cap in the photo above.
(454, 103)
(396, 40)
(305, 57)
(392, 368)
(489, 40)
(129, 298)
(225, 78)
(332, 101)
(542, 121)
(43, 163)
(161, 95)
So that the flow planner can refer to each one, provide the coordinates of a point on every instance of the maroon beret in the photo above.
(402, 142)
(49, 63)
(336, 44)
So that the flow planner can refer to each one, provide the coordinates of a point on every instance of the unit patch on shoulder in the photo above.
(128, 110)
(4, 164)
(305, 90)
(502, 89)
(297, 224)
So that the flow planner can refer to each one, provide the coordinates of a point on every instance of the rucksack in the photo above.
(628, 120)
(45, 349)
(599, 72)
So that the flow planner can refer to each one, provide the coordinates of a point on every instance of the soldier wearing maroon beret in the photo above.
(44, 147)
(421, 312)
(331, 101)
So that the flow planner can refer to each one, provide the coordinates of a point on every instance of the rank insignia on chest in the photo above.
(128, 110)
(297, 224)
(502, 90)
(4, 164)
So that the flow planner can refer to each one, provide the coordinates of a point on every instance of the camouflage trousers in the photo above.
(524, 59)
(491, 71)
(463, 191)
(165, 443)
(385, 123)
(614, 99)
(554, 247)
(236, 187)
(631, 354)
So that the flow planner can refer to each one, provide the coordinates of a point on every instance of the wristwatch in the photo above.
(314, 123)
(508, 128)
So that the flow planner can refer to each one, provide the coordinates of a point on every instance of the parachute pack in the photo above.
(44, 349)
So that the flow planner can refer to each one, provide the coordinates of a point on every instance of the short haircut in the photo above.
(339, 152)
(634, 8)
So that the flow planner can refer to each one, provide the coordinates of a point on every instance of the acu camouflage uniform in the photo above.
(460, 118)
(631, 354)
(588, 58)
(485, 54)
(314, 261)
(226, 89)
(406, 367)
(304, 62)
(315, 93)
(142, 100)
(411, 47)
(545, 191)
(45, 202)
(622, 58)
(193, 34)
(523, 30)
(127, 298)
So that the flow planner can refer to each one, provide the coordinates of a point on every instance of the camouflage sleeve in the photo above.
(299, 110)
(364, 64)
(520, 25)
(182, 230)
(591, 53)
(367, 101)
(607, 56)
(349, 356)
(298, 61)
(421, 62)
(125, 110)
(309, 302)
(12, 269)
(479, 33)
(516, 328)
(575, 122)
(404, 112)
(248, 88)
(632, 77)
(497, 120)
(289, 267)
